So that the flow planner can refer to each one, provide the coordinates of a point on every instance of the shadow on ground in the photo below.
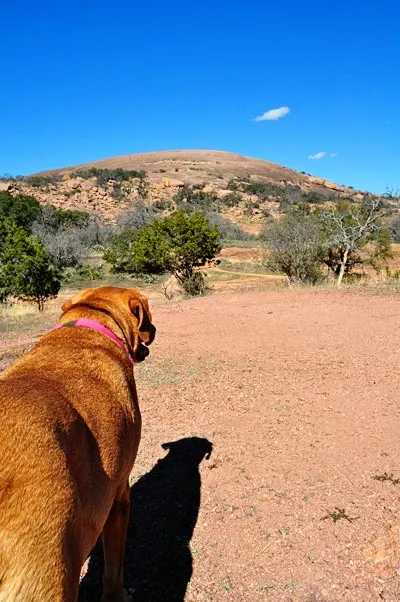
(164, 508)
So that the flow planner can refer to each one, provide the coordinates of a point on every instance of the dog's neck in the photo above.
(99, 321)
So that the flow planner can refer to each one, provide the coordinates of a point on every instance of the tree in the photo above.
(26, 271)
(20, 209)
(349, 227)
(68, 234)
(120, 250)
(296, 245)
(178, 244)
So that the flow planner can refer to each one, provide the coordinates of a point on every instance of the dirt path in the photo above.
(239, 274)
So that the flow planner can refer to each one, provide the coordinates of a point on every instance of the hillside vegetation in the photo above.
(122, 208)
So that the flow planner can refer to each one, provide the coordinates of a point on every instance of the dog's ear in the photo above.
(76, 299)
(140, 309)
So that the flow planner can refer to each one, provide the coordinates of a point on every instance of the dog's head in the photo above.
(128, 309)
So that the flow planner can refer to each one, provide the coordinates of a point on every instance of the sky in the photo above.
(313, 85)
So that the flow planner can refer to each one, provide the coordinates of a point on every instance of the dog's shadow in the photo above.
(164, 508)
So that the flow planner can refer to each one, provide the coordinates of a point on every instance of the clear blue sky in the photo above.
(82, 81)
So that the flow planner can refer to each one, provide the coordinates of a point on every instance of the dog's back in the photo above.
(48, 457)
(36, 492)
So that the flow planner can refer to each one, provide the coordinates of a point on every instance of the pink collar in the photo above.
(87, 323)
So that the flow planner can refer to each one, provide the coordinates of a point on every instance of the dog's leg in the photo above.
(114, 536)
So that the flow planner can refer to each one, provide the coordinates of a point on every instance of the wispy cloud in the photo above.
(319, 155)
(322, 155)
(273, 114)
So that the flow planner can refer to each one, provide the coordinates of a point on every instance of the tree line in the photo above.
(40, 245)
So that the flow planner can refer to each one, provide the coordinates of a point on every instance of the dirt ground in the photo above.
(296, 392)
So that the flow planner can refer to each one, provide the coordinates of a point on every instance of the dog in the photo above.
(70, 431)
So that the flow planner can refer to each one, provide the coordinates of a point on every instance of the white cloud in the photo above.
(320, 155)
(273, 114)
(333, 155)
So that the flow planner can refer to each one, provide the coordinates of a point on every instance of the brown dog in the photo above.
(70, 429)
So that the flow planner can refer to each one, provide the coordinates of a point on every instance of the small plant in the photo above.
(387, 477)
(167, 290)
(195, 285)
(226, 585)
(232, 199)
(90, 272)
(233, 185)
(143, 189)
(162, 204)
(339, 514)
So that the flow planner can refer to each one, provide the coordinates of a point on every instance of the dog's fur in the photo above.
(70, 429)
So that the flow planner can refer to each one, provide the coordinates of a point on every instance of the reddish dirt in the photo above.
(297, 391)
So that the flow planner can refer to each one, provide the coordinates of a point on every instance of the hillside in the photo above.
(196, 166)
(215, 172)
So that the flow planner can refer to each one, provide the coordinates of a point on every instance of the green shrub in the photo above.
(233, 184)
(119, 252)
(232, 199)
(178, 244)
(90, 272)
(264, 190)
(39, 181)
(20, 209)
(193, 197)
(195, 285)
(102, 176)
(26, 270)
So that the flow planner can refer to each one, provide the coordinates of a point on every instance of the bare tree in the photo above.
(349, 227)
(296, 247)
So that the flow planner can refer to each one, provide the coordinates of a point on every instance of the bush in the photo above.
(227, 229)
(20, 209)
(52, 218)
(68, 235)
(178, 244)
(232, 199)
(90, 272)
(119, 252)
(103, 176)
(264, 190)
(291, 196)
(233, 184)
(162, 204)
(196, 285)
(316, 198)
(143, 189)
(192, 197)
(26, 270)
(42, 181)
(138, 216)
(296, 245)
